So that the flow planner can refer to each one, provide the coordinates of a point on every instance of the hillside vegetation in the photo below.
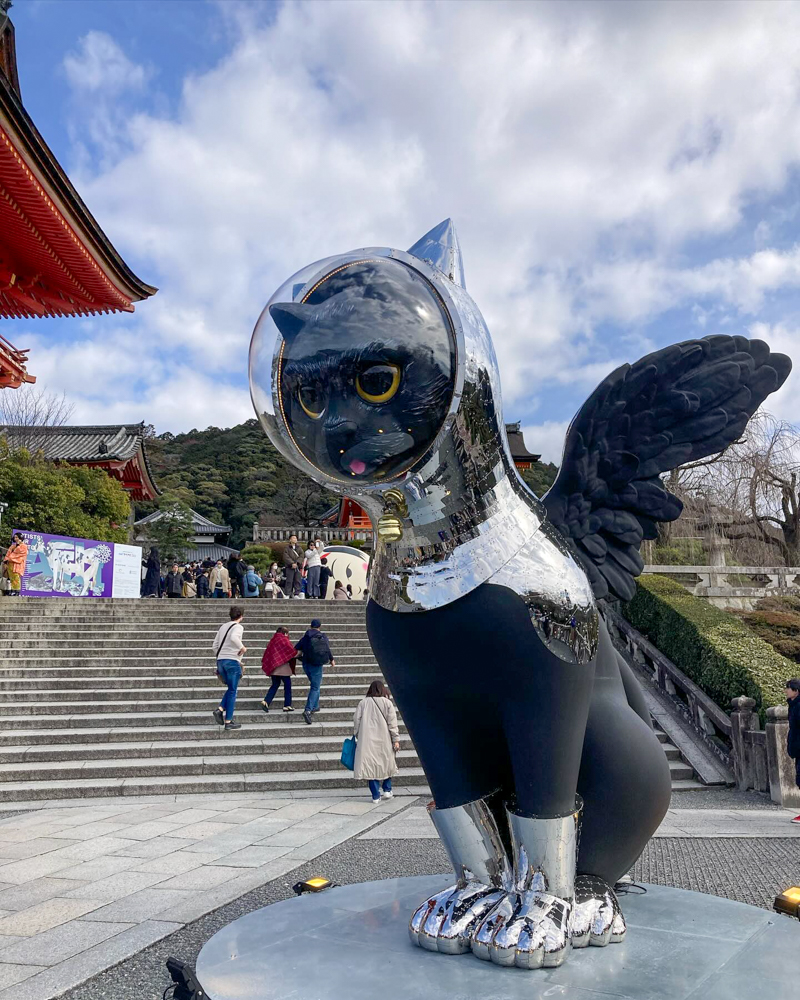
(232, 475)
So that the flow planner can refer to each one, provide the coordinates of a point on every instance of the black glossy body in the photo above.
(490, 709)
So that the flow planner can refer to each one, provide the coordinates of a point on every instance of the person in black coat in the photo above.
(202, 584)
(152, 579)
(793, 740)
(325, 573)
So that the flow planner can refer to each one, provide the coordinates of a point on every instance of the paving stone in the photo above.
(18, 872)
(87, 850)
(54, 981)
(245, 815)
(60, 943)
(89, 831)
(31, 847)
(187, 816)
(151, 829)
(200, 831)
(221, 843)
(172, 864)
(11, 974)
(152, 848)
(117, 886)
(351, 808)
(98, 868)
(144, 905)
(252, 857)
(207, 877)
(19, 897)
(42, 916)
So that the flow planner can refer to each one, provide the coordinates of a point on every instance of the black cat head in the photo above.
(366, 370)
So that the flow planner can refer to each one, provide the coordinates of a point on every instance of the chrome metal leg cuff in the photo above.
(545, 852)
(471, 838)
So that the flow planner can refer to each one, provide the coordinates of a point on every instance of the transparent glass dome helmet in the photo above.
(353, 367)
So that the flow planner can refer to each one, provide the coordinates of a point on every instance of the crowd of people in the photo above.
(304, 573)
(375, 723)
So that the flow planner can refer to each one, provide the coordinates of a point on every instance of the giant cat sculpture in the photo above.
(374, 373)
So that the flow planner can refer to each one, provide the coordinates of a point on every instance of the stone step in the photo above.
(354, 685)
(247, 698)
(136, 672)
(252, 662)
(48, 688)
(282, 725)
(23, 791)
(177, 718)
(157, 767)
(224, 743)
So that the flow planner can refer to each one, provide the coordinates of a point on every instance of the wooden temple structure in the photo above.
(117, 449)
(55, 260)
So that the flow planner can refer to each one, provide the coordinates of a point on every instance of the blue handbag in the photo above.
(349, 753)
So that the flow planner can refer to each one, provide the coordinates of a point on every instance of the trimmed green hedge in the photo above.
(711, 646)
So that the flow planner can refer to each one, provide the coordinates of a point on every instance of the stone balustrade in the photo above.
(714, 583)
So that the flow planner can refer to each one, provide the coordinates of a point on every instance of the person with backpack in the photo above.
(316, 652)
(229, 650)
(377, 741)
(278, 663)
(325, 573)
(251, 582)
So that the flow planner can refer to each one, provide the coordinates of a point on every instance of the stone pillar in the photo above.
(782, 785)
(743, 718)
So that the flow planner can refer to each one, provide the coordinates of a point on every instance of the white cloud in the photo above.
(546, 439)
(100, 65)
(579, 147)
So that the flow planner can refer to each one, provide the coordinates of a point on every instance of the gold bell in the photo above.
(390, 527)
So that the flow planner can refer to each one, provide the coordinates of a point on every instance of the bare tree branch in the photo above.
(27, 415)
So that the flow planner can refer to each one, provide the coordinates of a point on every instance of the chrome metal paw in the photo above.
(528, 929)
(596, 918)
(445, 922)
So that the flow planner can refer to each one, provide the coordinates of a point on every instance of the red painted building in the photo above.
(55, 260)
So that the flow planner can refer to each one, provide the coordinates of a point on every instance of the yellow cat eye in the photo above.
(311, 400)
(378, 383)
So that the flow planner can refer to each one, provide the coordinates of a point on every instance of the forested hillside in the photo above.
(232, 475)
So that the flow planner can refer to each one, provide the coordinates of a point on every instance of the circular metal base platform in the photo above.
(351, 943)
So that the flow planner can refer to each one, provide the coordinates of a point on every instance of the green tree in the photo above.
(172, 532)
(60, 499)
(540, 477)
(260, 556)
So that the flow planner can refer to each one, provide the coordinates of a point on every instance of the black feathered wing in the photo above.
(676, 405)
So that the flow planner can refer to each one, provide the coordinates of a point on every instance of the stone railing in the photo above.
(713, 582)
(265, 534)
(758, 757)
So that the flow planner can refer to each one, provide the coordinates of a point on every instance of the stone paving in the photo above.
(84, 887)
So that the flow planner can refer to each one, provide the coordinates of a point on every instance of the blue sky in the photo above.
(622, 176)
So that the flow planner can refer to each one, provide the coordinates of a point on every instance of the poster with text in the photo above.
(58, 566)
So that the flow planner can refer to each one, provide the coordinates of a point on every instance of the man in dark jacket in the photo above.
(793, 741)
(316, 652)
(174, 583)
(202, 584)
(325, 573)
(293, 564)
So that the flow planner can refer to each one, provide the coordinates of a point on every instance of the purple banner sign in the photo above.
(58, 566)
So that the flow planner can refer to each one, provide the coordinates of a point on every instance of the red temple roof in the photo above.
(55, 260)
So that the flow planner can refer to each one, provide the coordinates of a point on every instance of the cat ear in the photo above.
(290, 317)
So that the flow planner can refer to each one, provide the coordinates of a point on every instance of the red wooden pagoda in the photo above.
(55, 260)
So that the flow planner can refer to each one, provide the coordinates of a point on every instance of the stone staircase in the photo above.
(115, 697)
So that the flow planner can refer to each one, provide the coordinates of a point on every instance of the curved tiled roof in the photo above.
(102, 443)
(200, 524)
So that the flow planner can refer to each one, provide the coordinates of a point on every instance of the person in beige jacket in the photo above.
(219, 583)
(377, 741)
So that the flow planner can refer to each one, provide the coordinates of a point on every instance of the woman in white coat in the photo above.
(377, 741)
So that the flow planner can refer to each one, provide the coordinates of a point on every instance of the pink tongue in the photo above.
(357, 466)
